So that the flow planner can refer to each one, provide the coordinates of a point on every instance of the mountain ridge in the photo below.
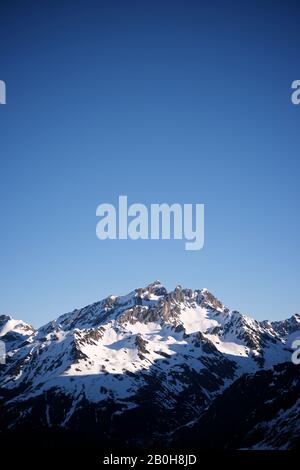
(151, 354)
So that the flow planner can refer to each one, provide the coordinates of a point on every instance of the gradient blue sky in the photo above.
(178, 101)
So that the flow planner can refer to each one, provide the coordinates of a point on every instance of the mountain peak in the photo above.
(155, 288)
(5, 318)
(155, 283)
(131, 350)
(14, 332)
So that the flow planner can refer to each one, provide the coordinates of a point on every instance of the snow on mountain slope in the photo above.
(8, 324)
(176, 350)
(14, 332)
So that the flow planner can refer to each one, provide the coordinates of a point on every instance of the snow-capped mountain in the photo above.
(135, 369)
(14, 332)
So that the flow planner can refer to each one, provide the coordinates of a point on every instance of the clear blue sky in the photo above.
(164, 101)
